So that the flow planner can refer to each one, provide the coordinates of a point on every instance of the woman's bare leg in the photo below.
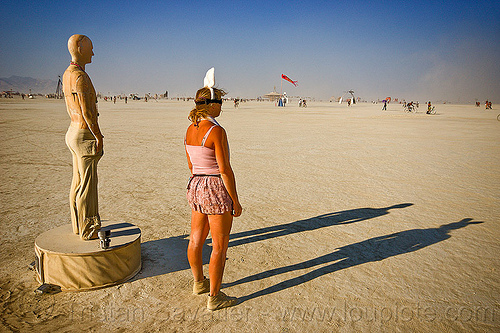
(199, 233)
(220, 226)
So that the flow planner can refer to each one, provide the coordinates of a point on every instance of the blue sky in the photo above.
(421, 50)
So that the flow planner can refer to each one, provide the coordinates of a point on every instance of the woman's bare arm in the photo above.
(222, 156)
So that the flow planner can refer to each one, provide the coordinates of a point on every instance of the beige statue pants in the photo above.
(83, 200)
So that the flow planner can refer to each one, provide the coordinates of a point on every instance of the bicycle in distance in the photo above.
(410, 107)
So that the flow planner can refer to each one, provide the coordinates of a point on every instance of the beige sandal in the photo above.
(201, 287)
(220, 301)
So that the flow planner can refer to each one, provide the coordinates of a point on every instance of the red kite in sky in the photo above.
(284, 77)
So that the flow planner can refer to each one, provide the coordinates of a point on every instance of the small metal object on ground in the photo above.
(48, 288)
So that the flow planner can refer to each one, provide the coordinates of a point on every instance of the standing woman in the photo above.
(211, 192)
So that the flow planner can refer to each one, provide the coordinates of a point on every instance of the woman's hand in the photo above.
(237, 209)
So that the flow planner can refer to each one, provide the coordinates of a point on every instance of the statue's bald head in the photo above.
(74, 42)
(80, 48)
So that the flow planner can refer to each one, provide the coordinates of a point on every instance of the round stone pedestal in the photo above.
(63, 259)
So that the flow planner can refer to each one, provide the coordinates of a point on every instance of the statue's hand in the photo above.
(100, 145)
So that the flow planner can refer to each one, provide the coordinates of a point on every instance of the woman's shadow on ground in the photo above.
(168, 255)
(370, 250)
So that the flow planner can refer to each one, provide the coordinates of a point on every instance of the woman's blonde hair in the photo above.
(202, 101)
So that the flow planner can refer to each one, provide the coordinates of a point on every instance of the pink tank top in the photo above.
(203, 158)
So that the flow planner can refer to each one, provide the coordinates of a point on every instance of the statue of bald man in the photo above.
(84, 139)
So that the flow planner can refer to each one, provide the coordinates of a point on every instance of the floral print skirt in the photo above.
(208, 195)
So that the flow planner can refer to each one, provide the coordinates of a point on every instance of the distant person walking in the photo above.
(211, 193)
(385, 105)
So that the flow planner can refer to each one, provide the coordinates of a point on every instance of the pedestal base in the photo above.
(63, 259)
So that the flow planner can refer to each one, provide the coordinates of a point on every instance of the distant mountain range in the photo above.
(24, 84)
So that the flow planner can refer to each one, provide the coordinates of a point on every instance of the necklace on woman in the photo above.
(212, 120)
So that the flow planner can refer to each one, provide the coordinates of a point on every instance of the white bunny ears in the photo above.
(209, 81)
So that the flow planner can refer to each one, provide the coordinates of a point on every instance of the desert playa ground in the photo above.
(355, 219)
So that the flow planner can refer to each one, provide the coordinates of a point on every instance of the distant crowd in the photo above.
(135, 97)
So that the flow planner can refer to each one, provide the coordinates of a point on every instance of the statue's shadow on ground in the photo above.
(168, 255)
(121, 229)
(321, 221)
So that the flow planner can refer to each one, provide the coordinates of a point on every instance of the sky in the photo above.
(416, 50)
